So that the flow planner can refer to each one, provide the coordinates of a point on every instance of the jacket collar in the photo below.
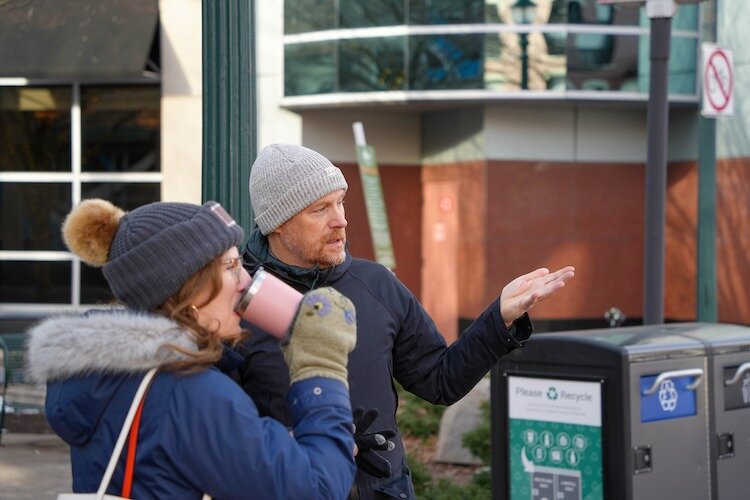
(115, 341)
(258, 253)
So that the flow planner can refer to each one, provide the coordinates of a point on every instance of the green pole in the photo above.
(706, 280)
(229, 113)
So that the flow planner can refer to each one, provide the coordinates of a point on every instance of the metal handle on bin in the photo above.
(740, 371)
(697, 372)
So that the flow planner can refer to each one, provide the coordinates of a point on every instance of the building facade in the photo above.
(507, 139)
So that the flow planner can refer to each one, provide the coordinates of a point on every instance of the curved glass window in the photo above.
(573, 47)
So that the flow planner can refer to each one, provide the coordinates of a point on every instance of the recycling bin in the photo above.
(728, 350)
(603, 414)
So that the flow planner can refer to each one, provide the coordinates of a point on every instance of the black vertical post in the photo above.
(229, 128)
(523, 39)
(656, 171)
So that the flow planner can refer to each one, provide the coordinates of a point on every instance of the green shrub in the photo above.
(477, 441)
(417, 417)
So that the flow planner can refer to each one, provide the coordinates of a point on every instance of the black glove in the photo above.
(368, 460)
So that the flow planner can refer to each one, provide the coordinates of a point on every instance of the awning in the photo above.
(76, 39)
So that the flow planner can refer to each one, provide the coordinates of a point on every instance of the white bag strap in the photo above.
(124, 433)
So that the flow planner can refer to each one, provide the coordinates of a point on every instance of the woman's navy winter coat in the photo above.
(199, 433)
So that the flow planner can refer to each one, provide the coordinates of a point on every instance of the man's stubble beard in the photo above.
(312, 253)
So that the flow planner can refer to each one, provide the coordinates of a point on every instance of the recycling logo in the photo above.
(552, 393)
(668, 396)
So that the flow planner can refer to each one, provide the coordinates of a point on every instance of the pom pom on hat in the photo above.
(89, 229)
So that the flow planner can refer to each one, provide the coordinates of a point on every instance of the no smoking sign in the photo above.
(718, 81)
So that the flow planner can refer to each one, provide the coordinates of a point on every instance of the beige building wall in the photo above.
(181, 105)
(275, 124)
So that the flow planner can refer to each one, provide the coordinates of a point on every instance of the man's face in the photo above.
(316, 235)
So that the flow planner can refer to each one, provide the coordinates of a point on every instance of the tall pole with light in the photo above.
(523, 12)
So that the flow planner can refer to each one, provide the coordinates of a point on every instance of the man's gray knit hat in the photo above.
(285, 179)
(148, 254)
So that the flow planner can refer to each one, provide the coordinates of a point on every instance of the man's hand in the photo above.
(367, 442)
(528, 290)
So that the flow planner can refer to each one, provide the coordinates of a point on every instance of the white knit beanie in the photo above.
(285, 179)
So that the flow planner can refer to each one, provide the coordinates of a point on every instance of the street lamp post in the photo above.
(523, 13)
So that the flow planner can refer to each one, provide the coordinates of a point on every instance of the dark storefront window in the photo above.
(35, 129)
(40, 179)
(120, 129)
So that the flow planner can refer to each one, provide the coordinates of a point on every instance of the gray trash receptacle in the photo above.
(728, 349)
(610, 413)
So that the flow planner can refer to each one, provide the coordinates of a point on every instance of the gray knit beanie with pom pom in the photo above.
(147, 254)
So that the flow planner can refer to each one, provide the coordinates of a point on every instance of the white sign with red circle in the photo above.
(718, 80)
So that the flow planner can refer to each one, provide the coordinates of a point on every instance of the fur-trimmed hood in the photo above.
(113, 341)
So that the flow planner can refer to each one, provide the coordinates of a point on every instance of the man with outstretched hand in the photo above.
(298, 200)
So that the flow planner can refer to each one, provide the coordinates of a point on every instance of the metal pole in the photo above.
(707, 303)
(660, 15)
(229, 128)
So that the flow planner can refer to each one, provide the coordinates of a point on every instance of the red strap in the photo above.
(127, 483)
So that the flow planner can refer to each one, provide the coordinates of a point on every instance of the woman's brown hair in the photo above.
(181, 307)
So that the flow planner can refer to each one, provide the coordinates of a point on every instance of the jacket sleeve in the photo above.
(427, 367)
(227, 450)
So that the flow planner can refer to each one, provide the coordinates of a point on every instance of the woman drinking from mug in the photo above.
(176, 269)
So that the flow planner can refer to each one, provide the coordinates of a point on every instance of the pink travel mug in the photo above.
(269, 303)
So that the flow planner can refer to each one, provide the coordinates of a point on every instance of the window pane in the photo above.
(605, 62)
(309, 68)
(35, 282)
(367, 13)
(682, 66)
(32, 215)
(369, 64)
(120, 129)
(446, 62)
(35, 129)
(94, 288)
(301, 16)
(503, 66)
(446, 11)
(124, 195)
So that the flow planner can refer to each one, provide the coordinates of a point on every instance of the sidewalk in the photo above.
(33, 467)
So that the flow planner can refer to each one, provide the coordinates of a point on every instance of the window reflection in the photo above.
(446, 11)
(568, 45)
(310, 68)
(120, 129)
(35, 129)
(302, 16)
(32, 214)
(368, 13)
(371, 64)
(446, 62)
